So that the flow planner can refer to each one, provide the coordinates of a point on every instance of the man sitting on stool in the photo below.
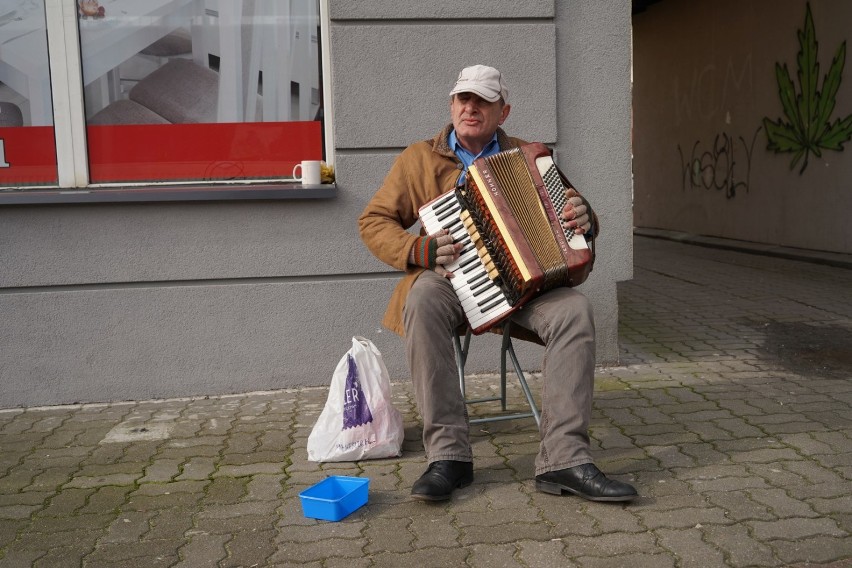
(426, 311)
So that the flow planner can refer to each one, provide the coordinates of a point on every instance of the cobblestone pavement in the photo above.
(731, 414)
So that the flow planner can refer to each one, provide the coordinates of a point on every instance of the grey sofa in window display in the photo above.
(10, 114)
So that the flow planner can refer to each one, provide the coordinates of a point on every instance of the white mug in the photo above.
(310, 172)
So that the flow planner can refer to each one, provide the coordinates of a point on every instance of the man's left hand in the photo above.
(575, 214)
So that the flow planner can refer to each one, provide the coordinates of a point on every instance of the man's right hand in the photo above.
(435, 252)
(577, 213)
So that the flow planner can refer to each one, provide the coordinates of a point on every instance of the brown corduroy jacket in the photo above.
(424, 171)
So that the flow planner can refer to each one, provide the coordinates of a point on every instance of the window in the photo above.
(142, 92)
(27, 148)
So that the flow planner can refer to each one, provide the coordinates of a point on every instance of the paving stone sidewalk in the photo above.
(731, 414)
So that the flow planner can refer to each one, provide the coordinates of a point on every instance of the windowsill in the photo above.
(279, 191)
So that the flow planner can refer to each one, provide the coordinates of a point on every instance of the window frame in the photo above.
(69, 123)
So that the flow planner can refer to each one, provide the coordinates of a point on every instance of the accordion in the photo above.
(507, 217)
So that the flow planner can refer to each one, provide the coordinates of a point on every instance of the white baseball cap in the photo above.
(485, 81)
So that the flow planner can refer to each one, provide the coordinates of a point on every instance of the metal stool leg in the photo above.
(461, 359)
(461, 356)
(462, 350)
(510, 349)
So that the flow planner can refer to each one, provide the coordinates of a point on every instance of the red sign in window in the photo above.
(204, 152)
(27, 156)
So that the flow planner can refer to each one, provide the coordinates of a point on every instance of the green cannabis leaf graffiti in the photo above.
(808, 129)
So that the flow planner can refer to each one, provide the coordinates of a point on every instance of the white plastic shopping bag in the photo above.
(359, 420)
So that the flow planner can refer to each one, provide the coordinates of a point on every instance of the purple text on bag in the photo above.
(355, 409)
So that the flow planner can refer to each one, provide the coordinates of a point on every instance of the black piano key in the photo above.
(471, 268)
(475, 288)
(447, 197)
(477, 279)
(489, 298)
(492, 305)
(466, 249)
(447, 210)
(449, 205)
(453, 226)
(448, 215)
(446, 201)
(471, 265)
(467, 262)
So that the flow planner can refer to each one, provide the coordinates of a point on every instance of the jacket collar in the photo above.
(441, 145)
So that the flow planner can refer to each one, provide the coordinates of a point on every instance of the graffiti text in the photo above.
(716, 167)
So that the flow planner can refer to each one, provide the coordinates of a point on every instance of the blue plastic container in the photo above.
(334, 497)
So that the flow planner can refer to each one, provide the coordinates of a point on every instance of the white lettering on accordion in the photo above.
(488, 178)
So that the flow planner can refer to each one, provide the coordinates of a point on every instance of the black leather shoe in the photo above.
(442, 477)
(587, 481)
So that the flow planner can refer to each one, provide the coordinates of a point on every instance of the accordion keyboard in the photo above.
(482, 300)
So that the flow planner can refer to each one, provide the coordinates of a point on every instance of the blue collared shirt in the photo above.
(467, 157)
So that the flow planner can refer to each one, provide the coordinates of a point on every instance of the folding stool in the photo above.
(462, 350)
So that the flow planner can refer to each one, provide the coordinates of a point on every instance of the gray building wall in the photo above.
(132, 301)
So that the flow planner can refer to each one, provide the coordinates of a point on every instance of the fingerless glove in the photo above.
(424, 252)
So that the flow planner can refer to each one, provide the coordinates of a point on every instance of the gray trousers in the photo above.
(562, 318)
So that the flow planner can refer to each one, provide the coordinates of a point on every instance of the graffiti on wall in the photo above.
(806, 127)
(724, 165)
(701, 98)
